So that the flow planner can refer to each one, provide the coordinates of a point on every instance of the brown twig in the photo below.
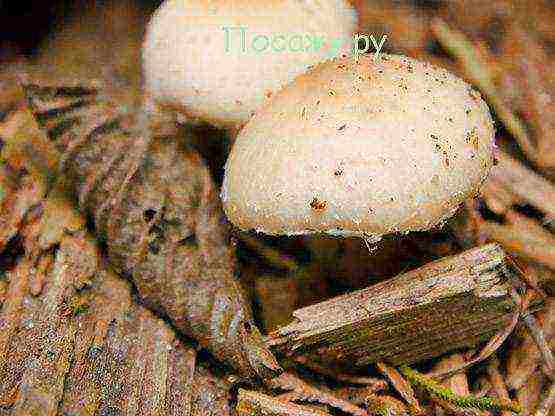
(402, 386)
(298, 390)
(252, 403)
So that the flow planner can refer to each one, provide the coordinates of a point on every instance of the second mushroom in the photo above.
(360, 148)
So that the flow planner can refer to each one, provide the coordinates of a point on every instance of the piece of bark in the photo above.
(251, 403)
(448, 304)
(82, 346)
(155, 205)
(115, 358)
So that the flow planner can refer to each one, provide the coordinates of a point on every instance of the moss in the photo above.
(80, 309)
(434, 389)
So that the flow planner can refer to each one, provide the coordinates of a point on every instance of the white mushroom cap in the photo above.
(367, 148)
(189, 66)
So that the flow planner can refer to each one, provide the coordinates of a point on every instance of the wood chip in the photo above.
(420, 314)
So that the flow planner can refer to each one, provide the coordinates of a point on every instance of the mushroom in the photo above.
(219, 61)
(383, 145)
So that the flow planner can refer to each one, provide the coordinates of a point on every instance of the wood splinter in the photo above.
(456, 302)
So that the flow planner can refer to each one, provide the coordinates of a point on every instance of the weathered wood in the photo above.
(72, 340)
(452, 303)
(154, 203)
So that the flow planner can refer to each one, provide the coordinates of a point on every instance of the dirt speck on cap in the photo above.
(318, 205)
